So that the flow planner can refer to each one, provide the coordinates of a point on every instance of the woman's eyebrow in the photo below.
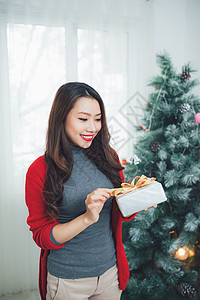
(87, 113)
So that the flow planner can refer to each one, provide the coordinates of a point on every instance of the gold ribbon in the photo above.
(128, 187)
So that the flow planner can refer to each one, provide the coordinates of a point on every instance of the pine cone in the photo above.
(186, 290)
(184, 108)
(185, 75)
(155, 146)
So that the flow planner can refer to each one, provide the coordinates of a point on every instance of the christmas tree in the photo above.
(163, 244)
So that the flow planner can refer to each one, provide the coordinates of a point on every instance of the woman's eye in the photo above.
(82, 119)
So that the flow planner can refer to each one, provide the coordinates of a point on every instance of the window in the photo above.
(39, 63)
(36, 57)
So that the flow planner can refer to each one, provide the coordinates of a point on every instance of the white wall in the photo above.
(163, 25)
(172, 26)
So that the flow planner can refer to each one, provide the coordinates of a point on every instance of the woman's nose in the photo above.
(91, 126)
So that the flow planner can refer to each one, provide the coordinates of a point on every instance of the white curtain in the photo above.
(109, 44)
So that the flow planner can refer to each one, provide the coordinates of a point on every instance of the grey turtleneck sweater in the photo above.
(91, 252)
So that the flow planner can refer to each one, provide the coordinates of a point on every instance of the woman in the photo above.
(74, 220)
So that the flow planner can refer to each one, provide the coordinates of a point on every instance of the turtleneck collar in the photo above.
(76, 149)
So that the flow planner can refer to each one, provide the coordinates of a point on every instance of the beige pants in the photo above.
(104, 287)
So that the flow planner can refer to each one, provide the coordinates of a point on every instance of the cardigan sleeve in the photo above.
(38, 219)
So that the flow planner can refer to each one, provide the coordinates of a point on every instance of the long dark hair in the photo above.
(58, 154)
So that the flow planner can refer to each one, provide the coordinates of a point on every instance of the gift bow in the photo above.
(128, 187)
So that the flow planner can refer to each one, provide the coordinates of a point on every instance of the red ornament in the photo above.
(197, 118)
(143, 127)
(124, 162)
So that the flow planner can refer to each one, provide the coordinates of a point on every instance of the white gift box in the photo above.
(141, 198)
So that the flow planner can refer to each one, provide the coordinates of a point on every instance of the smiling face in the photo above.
(83, 122)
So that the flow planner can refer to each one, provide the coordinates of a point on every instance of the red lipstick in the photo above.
(87, 138)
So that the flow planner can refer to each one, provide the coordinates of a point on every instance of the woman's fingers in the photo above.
(95, 202)
(99, 197)
(94, 205)
(99, 194)
(103, 192)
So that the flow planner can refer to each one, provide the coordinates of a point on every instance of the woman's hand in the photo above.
(94, 204)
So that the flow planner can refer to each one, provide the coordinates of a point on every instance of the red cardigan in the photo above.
(41, 224)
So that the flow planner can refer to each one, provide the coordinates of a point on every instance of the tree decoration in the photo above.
(187, 290)
(197, 118)
(124, 162)
(185, 107)
(143, 127)
(183, 253)
(185, 74)
(155, 146)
